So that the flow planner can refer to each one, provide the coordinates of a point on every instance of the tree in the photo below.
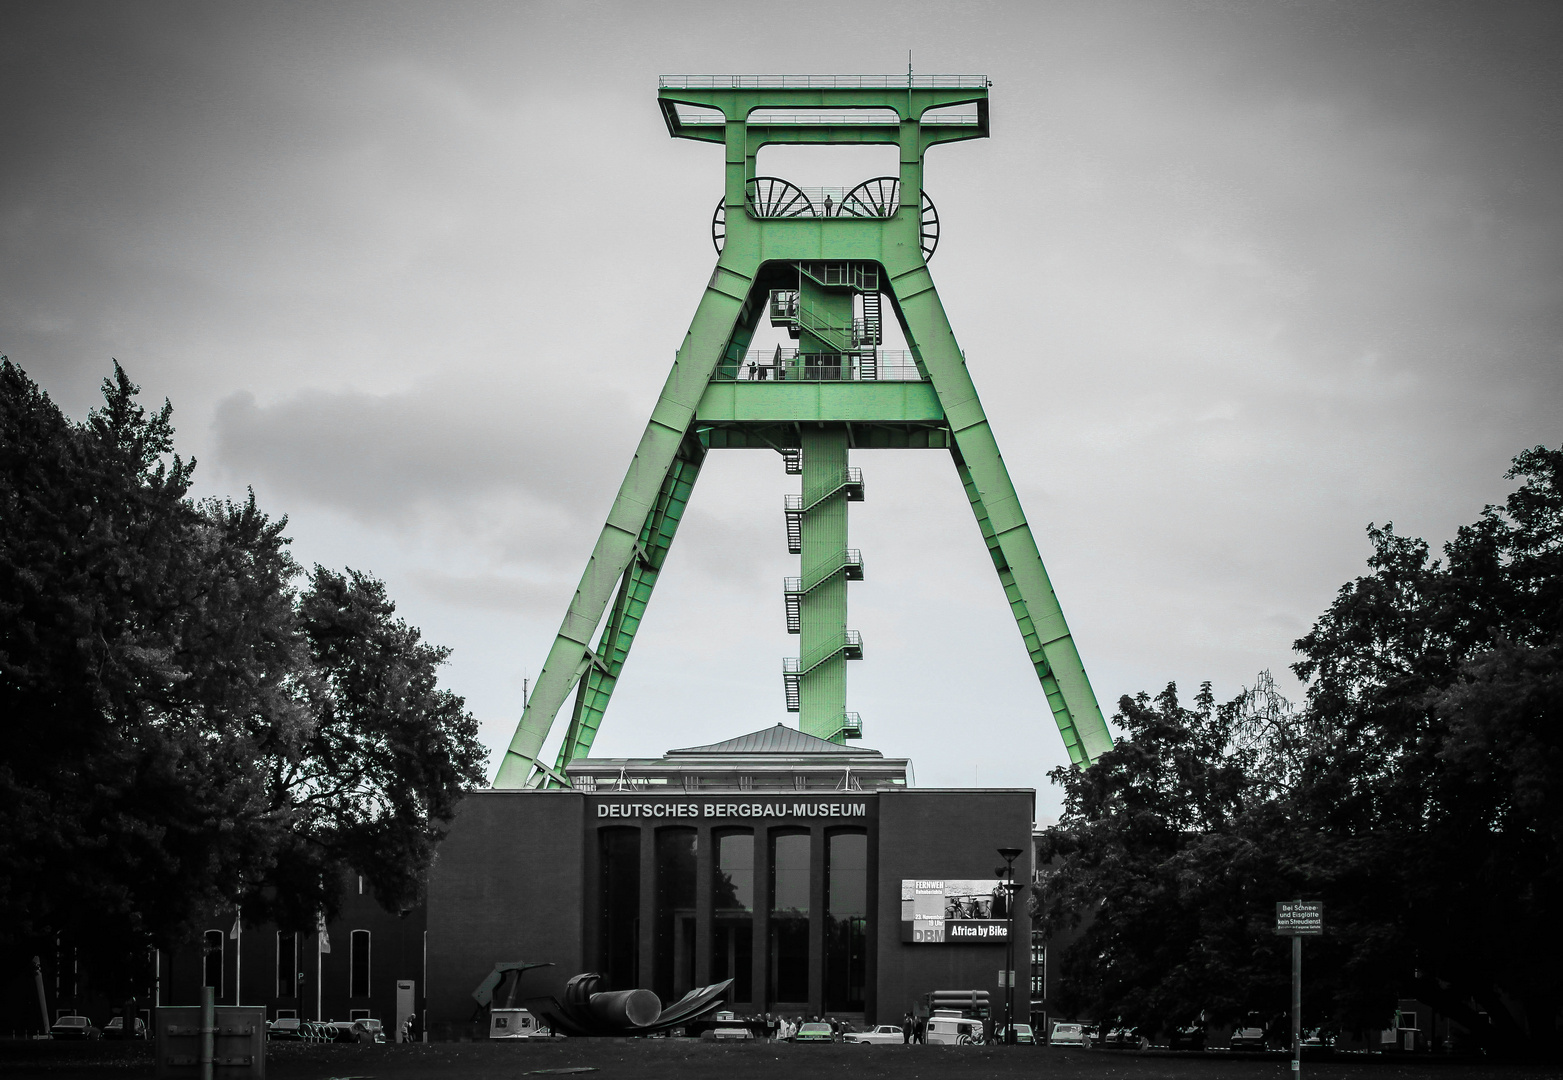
(1440, 680)
(177, 732)
(1150, 847)
(1417, 794)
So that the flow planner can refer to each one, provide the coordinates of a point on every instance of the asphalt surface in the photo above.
(680, 1059)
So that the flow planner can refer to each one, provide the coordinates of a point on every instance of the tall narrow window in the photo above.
(287, 964)
(212, 960)
(675, 964)
(618, 907)
(358, 980)
(732, 910)
(846, 920)
(789, 944)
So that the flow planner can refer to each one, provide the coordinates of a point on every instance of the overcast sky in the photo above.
(1233, 279)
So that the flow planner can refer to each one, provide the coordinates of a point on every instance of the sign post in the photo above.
(1298, 919)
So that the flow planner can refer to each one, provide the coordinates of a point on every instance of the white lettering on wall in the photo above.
(615, 809)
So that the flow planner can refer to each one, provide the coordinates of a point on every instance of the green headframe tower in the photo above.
(828, 265)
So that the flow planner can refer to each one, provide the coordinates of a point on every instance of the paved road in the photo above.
(669, 1059)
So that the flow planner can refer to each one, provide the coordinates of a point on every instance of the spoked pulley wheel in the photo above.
(773, 197)
(928, 229)
(719, 225)
(881, 198)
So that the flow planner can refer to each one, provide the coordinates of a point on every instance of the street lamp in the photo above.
(1009, 855)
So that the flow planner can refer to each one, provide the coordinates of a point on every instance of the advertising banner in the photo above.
(970, 911)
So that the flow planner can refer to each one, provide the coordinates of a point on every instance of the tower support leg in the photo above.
(1003, 522)
(629, 606)
(703, 348)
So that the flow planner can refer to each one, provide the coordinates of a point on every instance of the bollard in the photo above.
(208, 1031)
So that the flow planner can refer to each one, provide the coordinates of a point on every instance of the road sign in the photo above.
(1299, 917)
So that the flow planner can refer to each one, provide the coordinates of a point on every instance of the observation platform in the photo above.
(810, 108)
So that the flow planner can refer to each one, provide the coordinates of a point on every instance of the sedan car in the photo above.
(1187, 1037)
(815, 1033)
(286, 1028)
(74, 1027)
(1121, 1037)
(882, 1035)
(1023, 1035)
(115, 1028)
(1069, 1035)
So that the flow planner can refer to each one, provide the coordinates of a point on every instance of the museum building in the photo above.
(813, 874)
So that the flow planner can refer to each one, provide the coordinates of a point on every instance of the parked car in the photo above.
(731, 1033)
(364, 1031)
(74, 1027)
(814, 1033)
(1024, 1036)
(1068, 1035)
(1318, 1040)
(883, 1035)
(1121, 1037)
(1248, 1037)
(115, 1028)
(953, 1031)
(1187, 1037)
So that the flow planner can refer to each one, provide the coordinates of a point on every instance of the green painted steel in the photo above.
(822, 648)
(613, 648)
(807, 261)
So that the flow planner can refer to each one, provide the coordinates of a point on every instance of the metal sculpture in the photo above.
(821, 263)
(584, 1007)
(587, 1009)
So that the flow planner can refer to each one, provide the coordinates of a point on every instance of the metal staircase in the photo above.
(848, 642)
(873, 324)
(794, 589)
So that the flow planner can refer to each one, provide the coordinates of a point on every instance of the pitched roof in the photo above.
(780, 739)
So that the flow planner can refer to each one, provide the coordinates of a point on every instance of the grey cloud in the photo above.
(393, 457)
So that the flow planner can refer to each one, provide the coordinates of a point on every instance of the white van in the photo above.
(515, 1024)
(953, 1031)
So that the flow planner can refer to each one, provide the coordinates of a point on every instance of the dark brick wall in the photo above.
(506, 886)
(948, 834)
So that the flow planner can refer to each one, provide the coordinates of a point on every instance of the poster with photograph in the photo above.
(954, 911)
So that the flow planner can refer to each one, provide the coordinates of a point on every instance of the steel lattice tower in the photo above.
(822, 263)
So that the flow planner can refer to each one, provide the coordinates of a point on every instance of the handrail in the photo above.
(823, 82)
(822, 572)
(824, 329)
(815, 206)
(852, 477)
(846, 639)
(789, 365)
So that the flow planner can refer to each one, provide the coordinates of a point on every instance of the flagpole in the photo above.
(238, 958)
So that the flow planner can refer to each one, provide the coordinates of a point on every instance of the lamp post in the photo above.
(1009, 855)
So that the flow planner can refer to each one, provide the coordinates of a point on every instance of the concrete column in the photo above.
(705, 876)
(762, 920)
(647, 940)
(817, 848)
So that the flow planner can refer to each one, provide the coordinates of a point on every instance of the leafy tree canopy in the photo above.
(188, 724)
(1418, 792)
